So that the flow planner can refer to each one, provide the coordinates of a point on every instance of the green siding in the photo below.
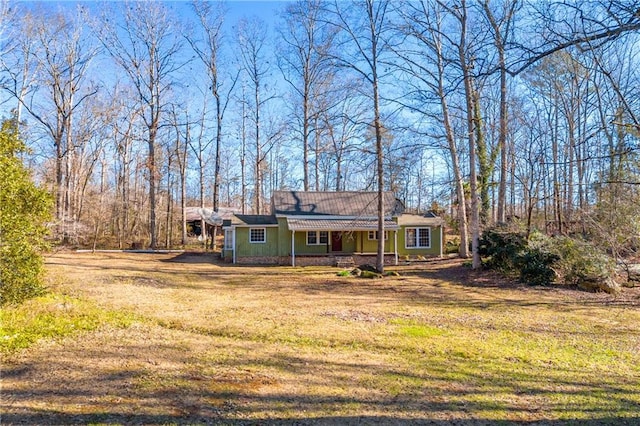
(303, 248)
(284, 238)
(279, 243)
(366, 245)
(245, 248)
(434, 250)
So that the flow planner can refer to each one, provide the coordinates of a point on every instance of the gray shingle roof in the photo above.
(345, 203)
(254, 219)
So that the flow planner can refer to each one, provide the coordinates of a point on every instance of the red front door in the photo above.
(336, 241)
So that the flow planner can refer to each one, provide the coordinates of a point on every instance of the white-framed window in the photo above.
(417, 237)
(228, 239)
(315, 238)
(373, 235)
(257, 235)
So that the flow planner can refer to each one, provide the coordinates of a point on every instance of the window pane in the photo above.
(324, 237)
(424, 240)
(311, 237)
(257, 235)
(410, 237)
(228, 239)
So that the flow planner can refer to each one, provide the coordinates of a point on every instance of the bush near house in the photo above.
(542, 260)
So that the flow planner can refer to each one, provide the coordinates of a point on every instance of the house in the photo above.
(321, 228)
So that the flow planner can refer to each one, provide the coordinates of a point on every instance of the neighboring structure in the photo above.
(194, 216)
(322, 228)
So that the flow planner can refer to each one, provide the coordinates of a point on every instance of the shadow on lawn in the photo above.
(232, 391)
(57, 418)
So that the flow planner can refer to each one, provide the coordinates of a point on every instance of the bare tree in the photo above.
(362, 25)
(145, 43)
(211, 18)
(60, 55)
(465, 63)
(501, 27)
(252, 39)
(428, 68)
(305, 64)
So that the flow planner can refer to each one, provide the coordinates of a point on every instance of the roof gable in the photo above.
(344, 203)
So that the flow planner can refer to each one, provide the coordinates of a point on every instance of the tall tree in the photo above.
(252, 39)
(305, 64)
(146, 44)
(209, 51)
(501, 28)
(363, 25)
(60, 55)
(430, 81)
(465, 58)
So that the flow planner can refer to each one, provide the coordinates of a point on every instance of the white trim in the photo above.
(395, 245)
(234, 245)
(441, 241)
(228, 242)
(417, 246)
(263, 229)
(293, 248)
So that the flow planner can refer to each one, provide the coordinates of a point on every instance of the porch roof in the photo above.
(338, 224)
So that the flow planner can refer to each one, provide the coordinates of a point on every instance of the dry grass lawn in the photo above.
(182, 339)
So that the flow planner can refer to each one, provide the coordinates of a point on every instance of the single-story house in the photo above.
(324, 228)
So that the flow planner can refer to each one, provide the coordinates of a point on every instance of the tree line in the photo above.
(486, 111)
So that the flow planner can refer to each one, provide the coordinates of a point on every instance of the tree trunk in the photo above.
(468, 88)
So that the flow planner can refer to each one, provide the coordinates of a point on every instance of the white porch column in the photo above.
(233, 243)
(395, 244)
(293, 248)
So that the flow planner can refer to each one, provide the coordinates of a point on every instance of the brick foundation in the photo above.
(302, 260)
(258, 260)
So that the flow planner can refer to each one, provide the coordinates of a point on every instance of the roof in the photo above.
(338, 225)
(344, 203)
(253, 220)
(193, 214)
(414, 219)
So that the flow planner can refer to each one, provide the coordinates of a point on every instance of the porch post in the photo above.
(395, 244)
(293, 248)
(441, 240)
(233, 243)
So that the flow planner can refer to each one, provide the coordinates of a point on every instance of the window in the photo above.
(257, 235)
(373, 235)
(315, 238)
(417, 238)
(228, 239)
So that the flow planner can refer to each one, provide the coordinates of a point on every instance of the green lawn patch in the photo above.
(53, 316)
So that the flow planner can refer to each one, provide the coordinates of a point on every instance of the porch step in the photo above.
(345, 262)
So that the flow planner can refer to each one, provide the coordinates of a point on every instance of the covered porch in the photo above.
(325, 241)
